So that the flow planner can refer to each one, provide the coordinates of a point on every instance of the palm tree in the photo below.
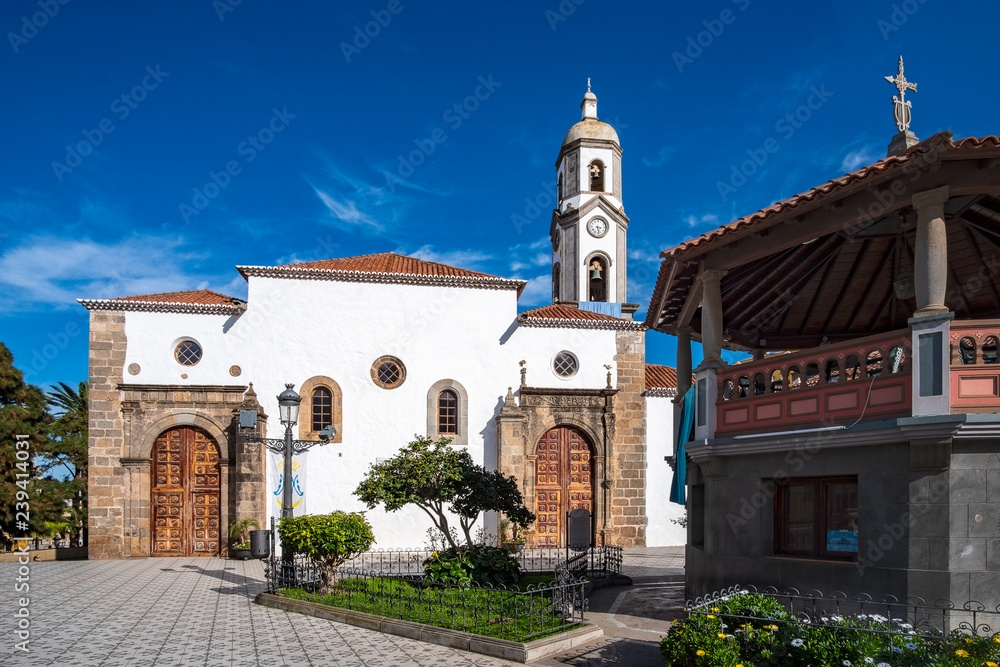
(69, 447)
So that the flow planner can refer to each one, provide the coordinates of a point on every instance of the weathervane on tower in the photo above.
(901, 108)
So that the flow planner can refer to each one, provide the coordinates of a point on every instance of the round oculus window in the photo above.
(388, 372)
(565, 365)
(187, 353)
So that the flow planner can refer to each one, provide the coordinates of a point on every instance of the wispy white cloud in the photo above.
(698, 221)
(346, 210)
(463, 259)
(859, 157)
(538, 292)
(662, 157)
(46, 271)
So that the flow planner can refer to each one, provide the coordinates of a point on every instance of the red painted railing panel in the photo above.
(872, 381)
(975, 366)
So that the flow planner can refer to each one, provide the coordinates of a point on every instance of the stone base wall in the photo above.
(628, 491)
(105, 475)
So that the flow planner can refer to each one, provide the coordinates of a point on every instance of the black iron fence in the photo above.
(905, 630)
(597, 561)
(507, 612)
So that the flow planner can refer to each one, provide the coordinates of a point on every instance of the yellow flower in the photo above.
(722, 635)
(962, 653)
(991, 664)
(771, 627)
(715, 609)
(700, 653)
(710, 616)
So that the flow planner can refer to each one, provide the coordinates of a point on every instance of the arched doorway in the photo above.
(563, 482)
(185, 494)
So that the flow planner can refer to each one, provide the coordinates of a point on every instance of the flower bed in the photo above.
(751, 630)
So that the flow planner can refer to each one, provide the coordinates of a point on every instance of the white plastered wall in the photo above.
(660, 530)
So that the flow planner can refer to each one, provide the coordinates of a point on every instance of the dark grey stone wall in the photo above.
(927, 533)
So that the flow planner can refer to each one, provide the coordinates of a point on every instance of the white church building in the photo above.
(382, 347)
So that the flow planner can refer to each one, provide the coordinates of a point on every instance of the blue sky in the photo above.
(152, 146)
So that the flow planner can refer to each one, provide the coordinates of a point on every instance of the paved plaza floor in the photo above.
(200, 611)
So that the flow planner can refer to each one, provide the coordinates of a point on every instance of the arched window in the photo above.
(758, 384)
(596, 176)
(728, 390)
(777, 380)
(322, 406)
(896, 360)
(873, 364)
(597, 272)
(990, 350)
(967, 350)
(555, 282)
(852, 368)
(832, 371)
(794, 377)
(744, 386)
(448, 412)
(559, 196)
(812, 374)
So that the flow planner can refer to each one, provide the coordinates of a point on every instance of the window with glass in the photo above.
(322, 408)
(187, 353)
(448, 412)
(817, 517)
(565, 365)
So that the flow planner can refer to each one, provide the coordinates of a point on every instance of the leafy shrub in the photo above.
(774, 637)
(328, 539)
(480, 564)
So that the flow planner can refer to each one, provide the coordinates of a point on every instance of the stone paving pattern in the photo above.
(200, 611)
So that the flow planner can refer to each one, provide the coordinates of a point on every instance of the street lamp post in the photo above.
(288, 411)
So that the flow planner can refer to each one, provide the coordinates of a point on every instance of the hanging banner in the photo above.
(277, 473)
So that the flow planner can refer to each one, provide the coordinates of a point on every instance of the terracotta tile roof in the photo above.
(189, 301)
(386, 267)
(572, 317)
(938, 143)
(661, 380)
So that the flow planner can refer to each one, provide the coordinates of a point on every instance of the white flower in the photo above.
(879, 618)
(824, 619)
(862, 617)
(847, 663)
(883, 664)
(911, 646)
(870, 661)
(906, 626)
(797, 643)
(838, 619)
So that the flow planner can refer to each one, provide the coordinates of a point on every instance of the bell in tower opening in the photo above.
(598, 273)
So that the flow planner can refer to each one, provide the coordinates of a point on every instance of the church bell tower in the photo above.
(589, 224)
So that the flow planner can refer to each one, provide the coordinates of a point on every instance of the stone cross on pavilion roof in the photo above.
(901, 112)
(902, 85)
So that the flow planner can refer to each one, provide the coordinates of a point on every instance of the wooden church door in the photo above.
(562, 483)
(185, 494)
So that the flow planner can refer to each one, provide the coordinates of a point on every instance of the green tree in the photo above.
(328, 539)
(435, 477)
(22, 412)
(66, 453)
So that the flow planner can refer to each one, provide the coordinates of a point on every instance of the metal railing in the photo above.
(599, 561)
(500, 611)
(913, 627)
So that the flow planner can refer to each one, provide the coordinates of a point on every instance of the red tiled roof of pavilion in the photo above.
(385, 265)
(940, 142)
